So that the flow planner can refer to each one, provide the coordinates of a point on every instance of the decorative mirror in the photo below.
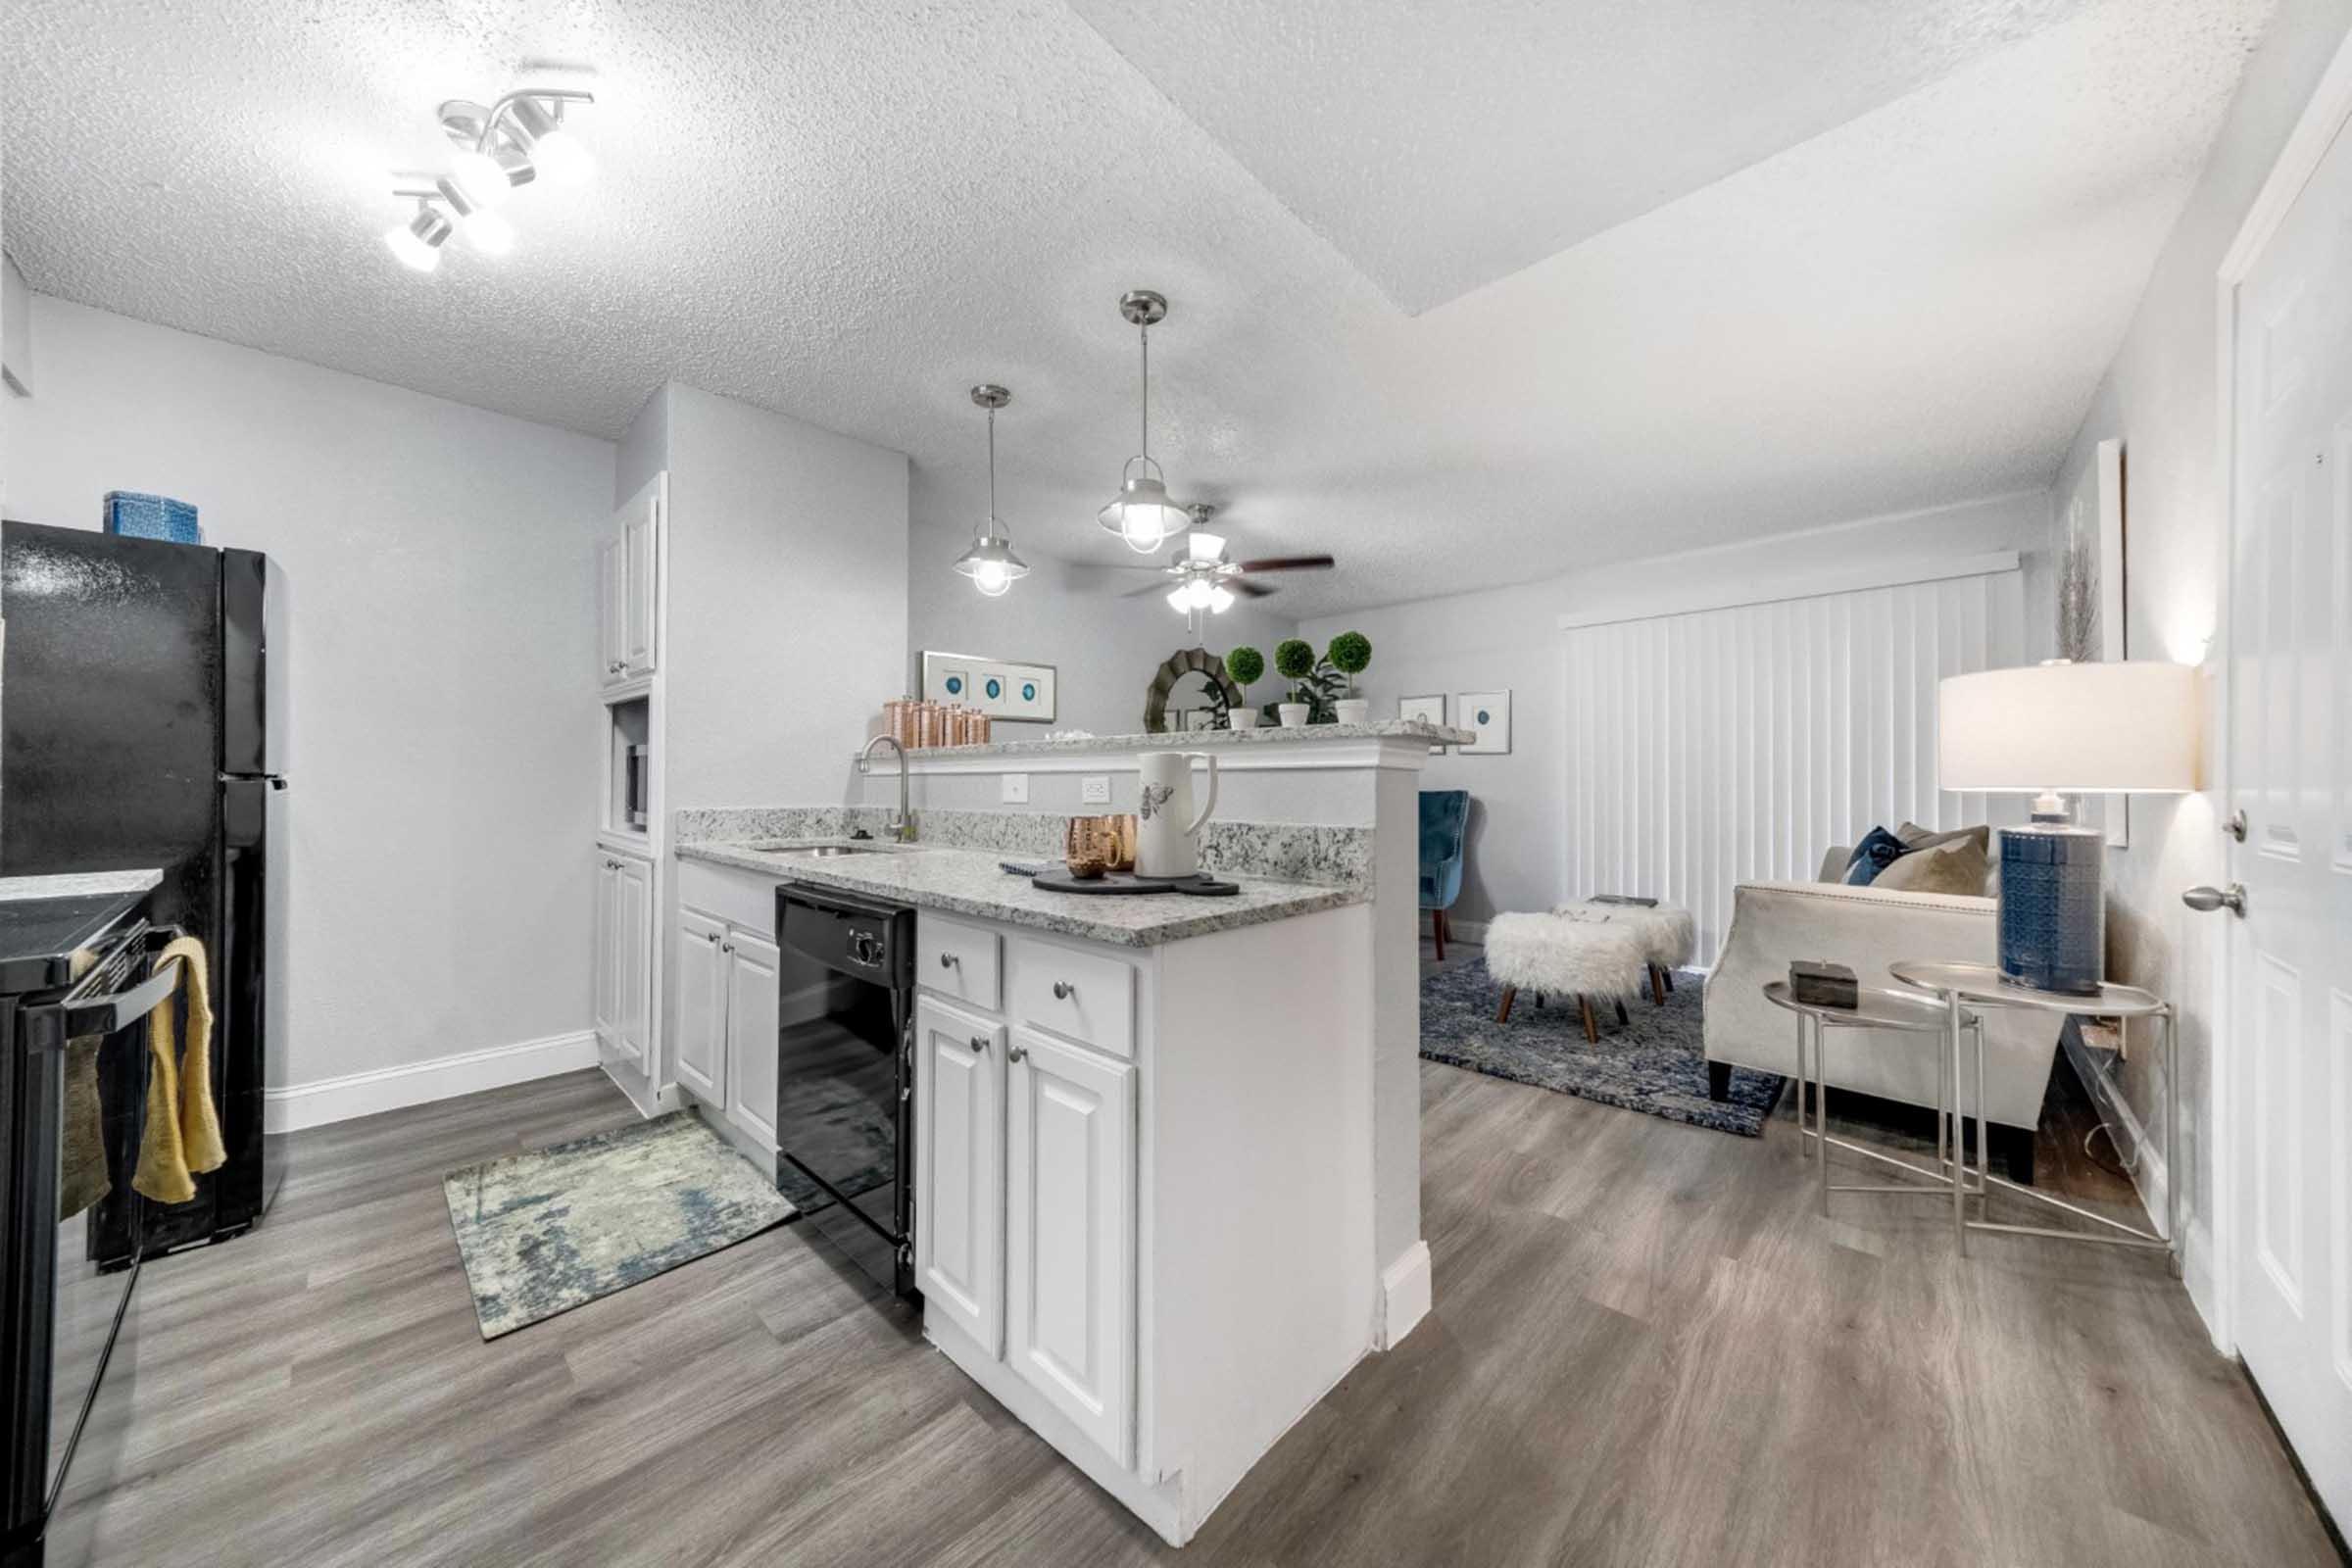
(1191, 691)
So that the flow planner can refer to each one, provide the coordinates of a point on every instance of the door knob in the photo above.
(2206, 900)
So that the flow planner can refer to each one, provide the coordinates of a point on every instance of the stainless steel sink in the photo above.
(820, 852)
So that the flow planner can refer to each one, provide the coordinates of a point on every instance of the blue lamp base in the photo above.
(2053, 909)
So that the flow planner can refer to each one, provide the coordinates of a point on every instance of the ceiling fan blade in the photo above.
(1159, 588)
(1247, 588)
(1289, 563)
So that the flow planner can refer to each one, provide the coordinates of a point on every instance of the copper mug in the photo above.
(1094, 844)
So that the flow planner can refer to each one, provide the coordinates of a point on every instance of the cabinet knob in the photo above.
(979, 1044)
(727, 946)
(1016, 1053)
(948, 960)
(1063, 990)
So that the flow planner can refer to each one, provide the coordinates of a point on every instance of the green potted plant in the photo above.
(1244, 665)
(1349, 654)
(1294, 662)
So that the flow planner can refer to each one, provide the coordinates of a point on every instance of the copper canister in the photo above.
(926, 723)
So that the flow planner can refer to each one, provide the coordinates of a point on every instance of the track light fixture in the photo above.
(513, 143)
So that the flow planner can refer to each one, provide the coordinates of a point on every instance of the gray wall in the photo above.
(439, 563)
(1104, 648)
(788, 594)
(2160, 398)
(1511, 638)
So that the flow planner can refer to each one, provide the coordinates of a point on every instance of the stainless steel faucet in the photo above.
(902, 826)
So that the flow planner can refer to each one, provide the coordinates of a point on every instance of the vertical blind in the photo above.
(1737, 745)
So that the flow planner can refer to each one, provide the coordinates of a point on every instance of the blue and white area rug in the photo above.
(1655, 1064)
(543, 1231)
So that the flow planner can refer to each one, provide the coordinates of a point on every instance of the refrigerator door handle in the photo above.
(276, 782)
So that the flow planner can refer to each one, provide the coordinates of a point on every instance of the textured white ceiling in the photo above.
(852, 211)
(1441, 147)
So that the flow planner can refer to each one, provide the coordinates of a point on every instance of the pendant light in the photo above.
(1141, 512)
(990, 563)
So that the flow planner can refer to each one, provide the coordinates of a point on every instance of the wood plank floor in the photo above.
(1648, 1347)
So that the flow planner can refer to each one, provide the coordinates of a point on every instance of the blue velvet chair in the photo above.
(1444, 822)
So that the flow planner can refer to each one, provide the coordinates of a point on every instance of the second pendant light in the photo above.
(1141, 512)
(990, 563)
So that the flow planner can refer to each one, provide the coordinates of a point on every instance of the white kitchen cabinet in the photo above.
(699, 1055)
(612, 609)
(628, 567)
(637, 613)
(959, 1168)
(624, 955)
(1142, 1212)
(1069, 1234)
(751, 1034)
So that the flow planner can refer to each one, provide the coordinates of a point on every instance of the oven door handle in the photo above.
(48, 1028)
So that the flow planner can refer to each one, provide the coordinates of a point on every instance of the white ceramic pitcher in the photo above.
(1167, 838)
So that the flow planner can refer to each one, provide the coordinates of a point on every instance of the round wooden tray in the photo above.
(1201, 886)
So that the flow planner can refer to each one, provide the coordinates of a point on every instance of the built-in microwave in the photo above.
(638, 803)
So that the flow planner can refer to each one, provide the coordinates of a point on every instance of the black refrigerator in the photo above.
(139, 699)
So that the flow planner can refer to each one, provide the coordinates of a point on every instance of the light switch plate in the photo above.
(1016, 789)
(1095, 789)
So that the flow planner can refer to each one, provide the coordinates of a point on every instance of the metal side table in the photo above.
(1876, 1009)
(1981, 985)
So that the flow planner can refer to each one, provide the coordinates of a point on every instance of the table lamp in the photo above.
(2052, 730)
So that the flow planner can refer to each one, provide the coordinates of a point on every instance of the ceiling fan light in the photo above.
(1180, 599)
(1220, 600)
(1205, 547)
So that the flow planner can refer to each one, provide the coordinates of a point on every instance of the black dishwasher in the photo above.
(844, 1044)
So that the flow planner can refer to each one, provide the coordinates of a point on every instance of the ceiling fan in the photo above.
(1199, 576)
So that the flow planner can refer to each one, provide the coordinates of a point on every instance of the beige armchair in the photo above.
(1867, 929)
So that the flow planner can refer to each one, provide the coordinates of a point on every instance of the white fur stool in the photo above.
(1668, 935)
(1568, 954)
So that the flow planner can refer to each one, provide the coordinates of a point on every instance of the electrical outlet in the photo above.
(1016, 789)
(1095, 789)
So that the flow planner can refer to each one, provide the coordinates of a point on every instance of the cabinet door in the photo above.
(611, 607)
(751, 983)
(1069, 1242)
(700, 1058)
(637, 620)
(605, 961)
(633, 951)
(960, 1169)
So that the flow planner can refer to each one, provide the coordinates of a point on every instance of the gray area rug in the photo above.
(541, 1233)
(1655, 1064)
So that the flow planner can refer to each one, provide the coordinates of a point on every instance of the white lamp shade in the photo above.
(2075, 729)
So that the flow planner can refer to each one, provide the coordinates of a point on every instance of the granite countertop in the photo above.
(73, 885)
(973, 882)
(1201, 739)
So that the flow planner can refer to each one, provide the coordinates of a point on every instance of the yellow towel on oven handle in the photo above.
(182, 1134)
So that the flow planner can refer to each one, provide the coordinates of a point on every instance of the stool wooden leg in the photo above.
(1509, 993)
(1669, 974)
(1657, 985)
(1591, 1029)
(1437, 930)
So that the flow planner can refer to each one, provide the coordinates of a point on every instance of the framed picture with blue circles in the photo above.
(1490, 714)
(996, 687)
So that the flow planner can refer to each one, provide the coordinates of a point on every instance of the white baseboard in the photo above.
(295, 1106)
(2149, 1172)
(1404, 1295)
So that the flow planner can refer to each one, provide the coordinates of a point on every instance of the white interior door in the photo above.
(2290, 771)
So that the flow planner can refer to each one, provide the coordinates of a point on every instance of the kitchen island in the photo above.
(1156, 1138)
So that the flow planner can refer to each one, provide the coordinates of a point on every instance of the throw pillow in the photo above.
(1955, 867)
(1878, 850)
(1915, 837)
